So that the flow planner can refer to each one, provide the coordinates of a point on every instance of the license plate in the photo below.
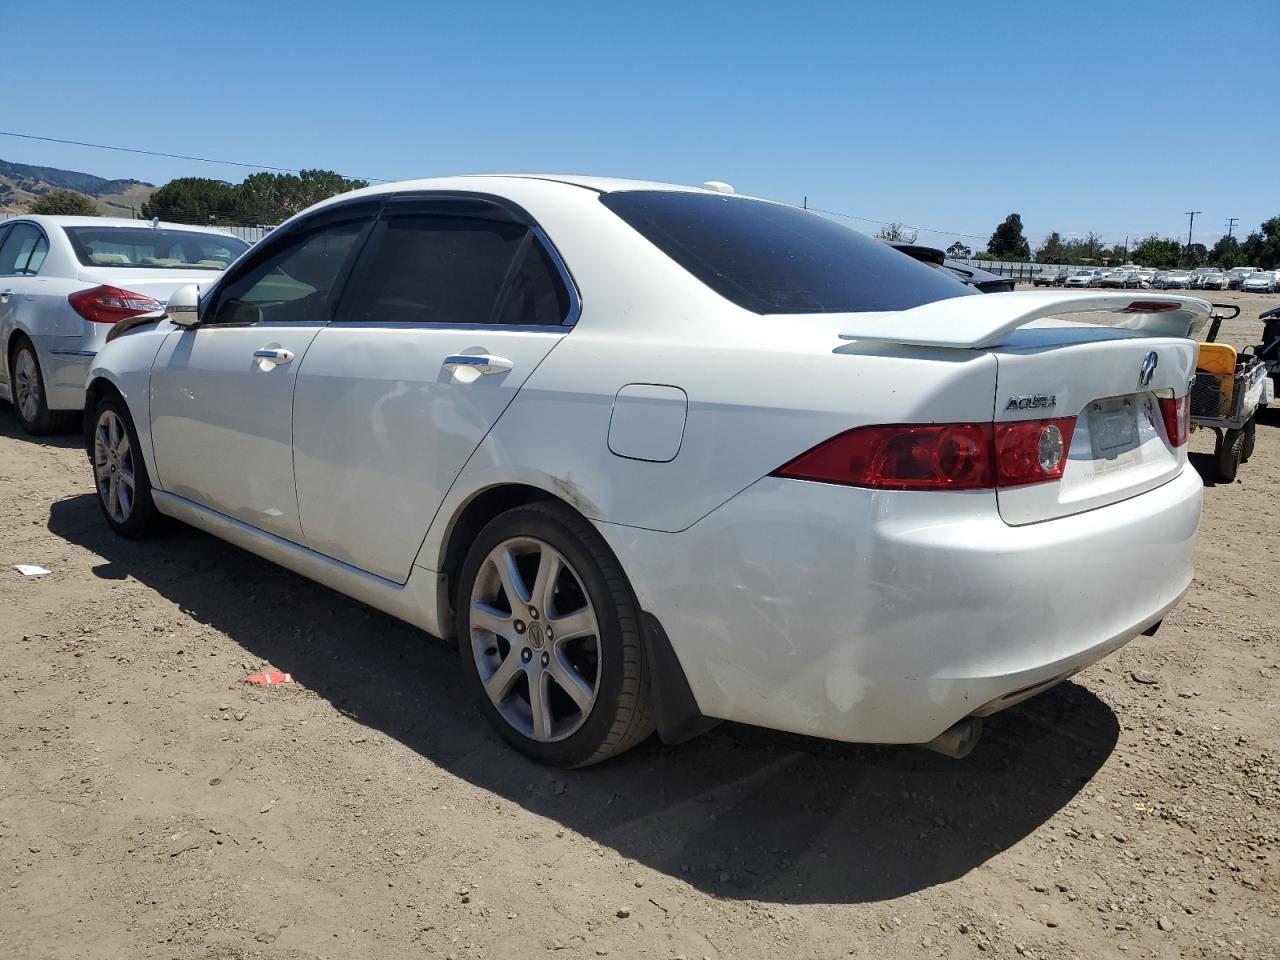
(1113, 426)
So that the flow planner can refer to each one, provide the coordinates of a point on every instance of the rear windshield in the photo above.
(770, 258)
(154, 249)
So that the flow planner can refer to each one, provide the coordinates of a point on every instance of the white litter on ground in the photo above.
(31, 570)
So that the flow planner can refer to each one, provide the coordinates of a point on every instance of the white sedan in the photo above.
(65, 280)
(659, 456)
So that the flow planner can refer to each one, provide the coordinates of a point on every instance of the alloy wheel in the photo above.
(113, 466)
(535, 639)
(26, 378)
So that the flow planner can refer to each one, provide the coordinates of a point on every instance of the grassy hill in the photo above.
(21, 184)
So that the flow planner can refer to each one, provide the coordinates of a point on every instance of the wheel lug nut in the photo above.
(533, 613)
(545, 659)
(526, 655)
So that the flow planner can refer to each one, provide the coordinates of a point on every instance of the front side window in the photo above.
(771, 258)
(429, 268)
(17, 249)
(293, 283)
(154, 249)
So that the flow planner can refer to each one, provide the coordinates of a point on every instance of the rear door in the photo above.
(453, 305)
(1111, 382)
(222, 393)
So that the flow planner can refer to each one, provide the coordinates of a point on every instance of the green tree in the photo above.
(1053, 250)
(1159, 252)
(1194, 255)
(1007, 242)
(958, 251)
(896, 233)
(269, 198)
(1262, 247)
(191, 200)
(65, 203)
(1117, 254)
(1225, 253)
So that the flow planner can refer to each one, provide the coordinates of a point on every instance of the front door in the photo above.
(222, 393)
(445, 318)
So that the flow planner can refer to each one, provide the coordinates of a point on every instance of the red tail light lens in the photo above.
(941, 456)
(1032, 451)
(948, 456)
(106, 304)
(1177, 418)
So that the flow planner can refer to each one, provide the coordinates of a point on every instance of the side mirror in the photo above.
(183, 309)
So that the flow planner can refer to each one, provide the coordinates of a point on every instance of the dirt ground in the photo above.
(152, 805)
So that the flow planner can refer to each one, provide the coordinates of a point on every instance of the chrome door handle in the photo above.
(275, 356)
(480, 362)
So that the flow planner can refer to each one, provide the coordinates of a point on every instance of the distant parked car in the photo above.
(1260, 282)
(1146, 277)
(1176, 280)
(966, 273)
(1085, 278)
(1051, 278)
(1237, 275)
(1121, 279)
(64, 281)
(1213, 280)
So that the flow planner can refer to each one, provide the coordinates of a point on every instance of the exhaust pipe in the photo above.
(957, 741)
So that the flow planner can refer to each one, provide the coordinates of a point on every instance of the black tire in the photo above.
(142, 517)
(43, 421)
(622, 713)
(1250, 435)
(1229, 455)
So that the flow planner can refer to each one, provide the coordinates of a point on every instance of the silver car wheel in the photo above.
(113, 466)
(26, 376)
(535, 638)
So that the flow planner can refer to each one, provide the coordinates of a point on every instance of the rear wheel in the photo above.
(549, 634)
(27, 389)
(1229, 453)
(1246, 446)
(119, 472)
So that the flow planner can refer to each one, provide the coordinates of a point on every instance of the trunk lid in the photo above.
(158, 284)
(1109, 380)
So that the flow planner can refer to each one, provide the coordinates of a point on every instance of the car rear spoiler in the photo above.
(979, 322)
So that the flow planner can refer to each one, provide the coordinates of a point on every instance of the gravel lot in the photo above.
(151, 805)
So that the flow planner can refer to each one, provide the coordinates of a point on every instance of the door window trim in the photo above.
(10, 227)
(274, 243)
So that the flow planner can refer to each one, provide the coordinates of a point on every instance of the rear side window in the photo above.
(441, 269)
(291, 284)
(771, 258)
(18, 248)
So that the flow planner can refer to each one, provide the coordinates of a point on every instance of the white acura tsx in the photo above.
(660, 455)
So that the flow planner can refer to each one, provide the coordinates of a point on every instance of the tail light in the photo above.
(107, 304)
(941, 456)
(1176, 412)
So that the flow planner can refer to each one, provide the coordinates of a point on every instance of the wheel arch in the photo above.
(676, 709)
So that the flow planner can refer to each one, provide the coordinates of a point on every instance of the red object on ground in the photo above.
(269, 679)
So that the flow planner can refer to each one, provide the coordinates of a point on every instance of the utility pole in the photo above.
(1231, 225)
(1192, 215)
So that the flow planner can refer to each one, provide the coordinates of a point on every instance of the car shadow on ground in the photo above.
(739, 812)
(69, 438)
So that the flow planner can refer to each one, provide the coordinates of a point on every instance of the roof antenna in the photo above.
(718, 186)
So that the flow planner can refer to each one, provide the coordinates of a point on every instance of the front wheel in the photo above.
(119, 472)
(549, 634)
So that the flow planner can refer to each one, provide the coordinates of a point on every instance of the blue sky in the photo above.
(1111, 117)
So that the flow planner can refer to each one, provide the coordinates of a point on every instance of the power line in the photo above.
(173, 156)
(890, 223)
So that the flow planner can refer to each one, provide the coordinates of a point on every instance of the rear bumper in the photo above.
(887, 616)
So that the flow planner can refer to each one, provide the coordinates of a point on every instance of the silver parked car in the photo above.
(1085, 278)
(65, 281)
(1261, 282)
(1176, 280)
